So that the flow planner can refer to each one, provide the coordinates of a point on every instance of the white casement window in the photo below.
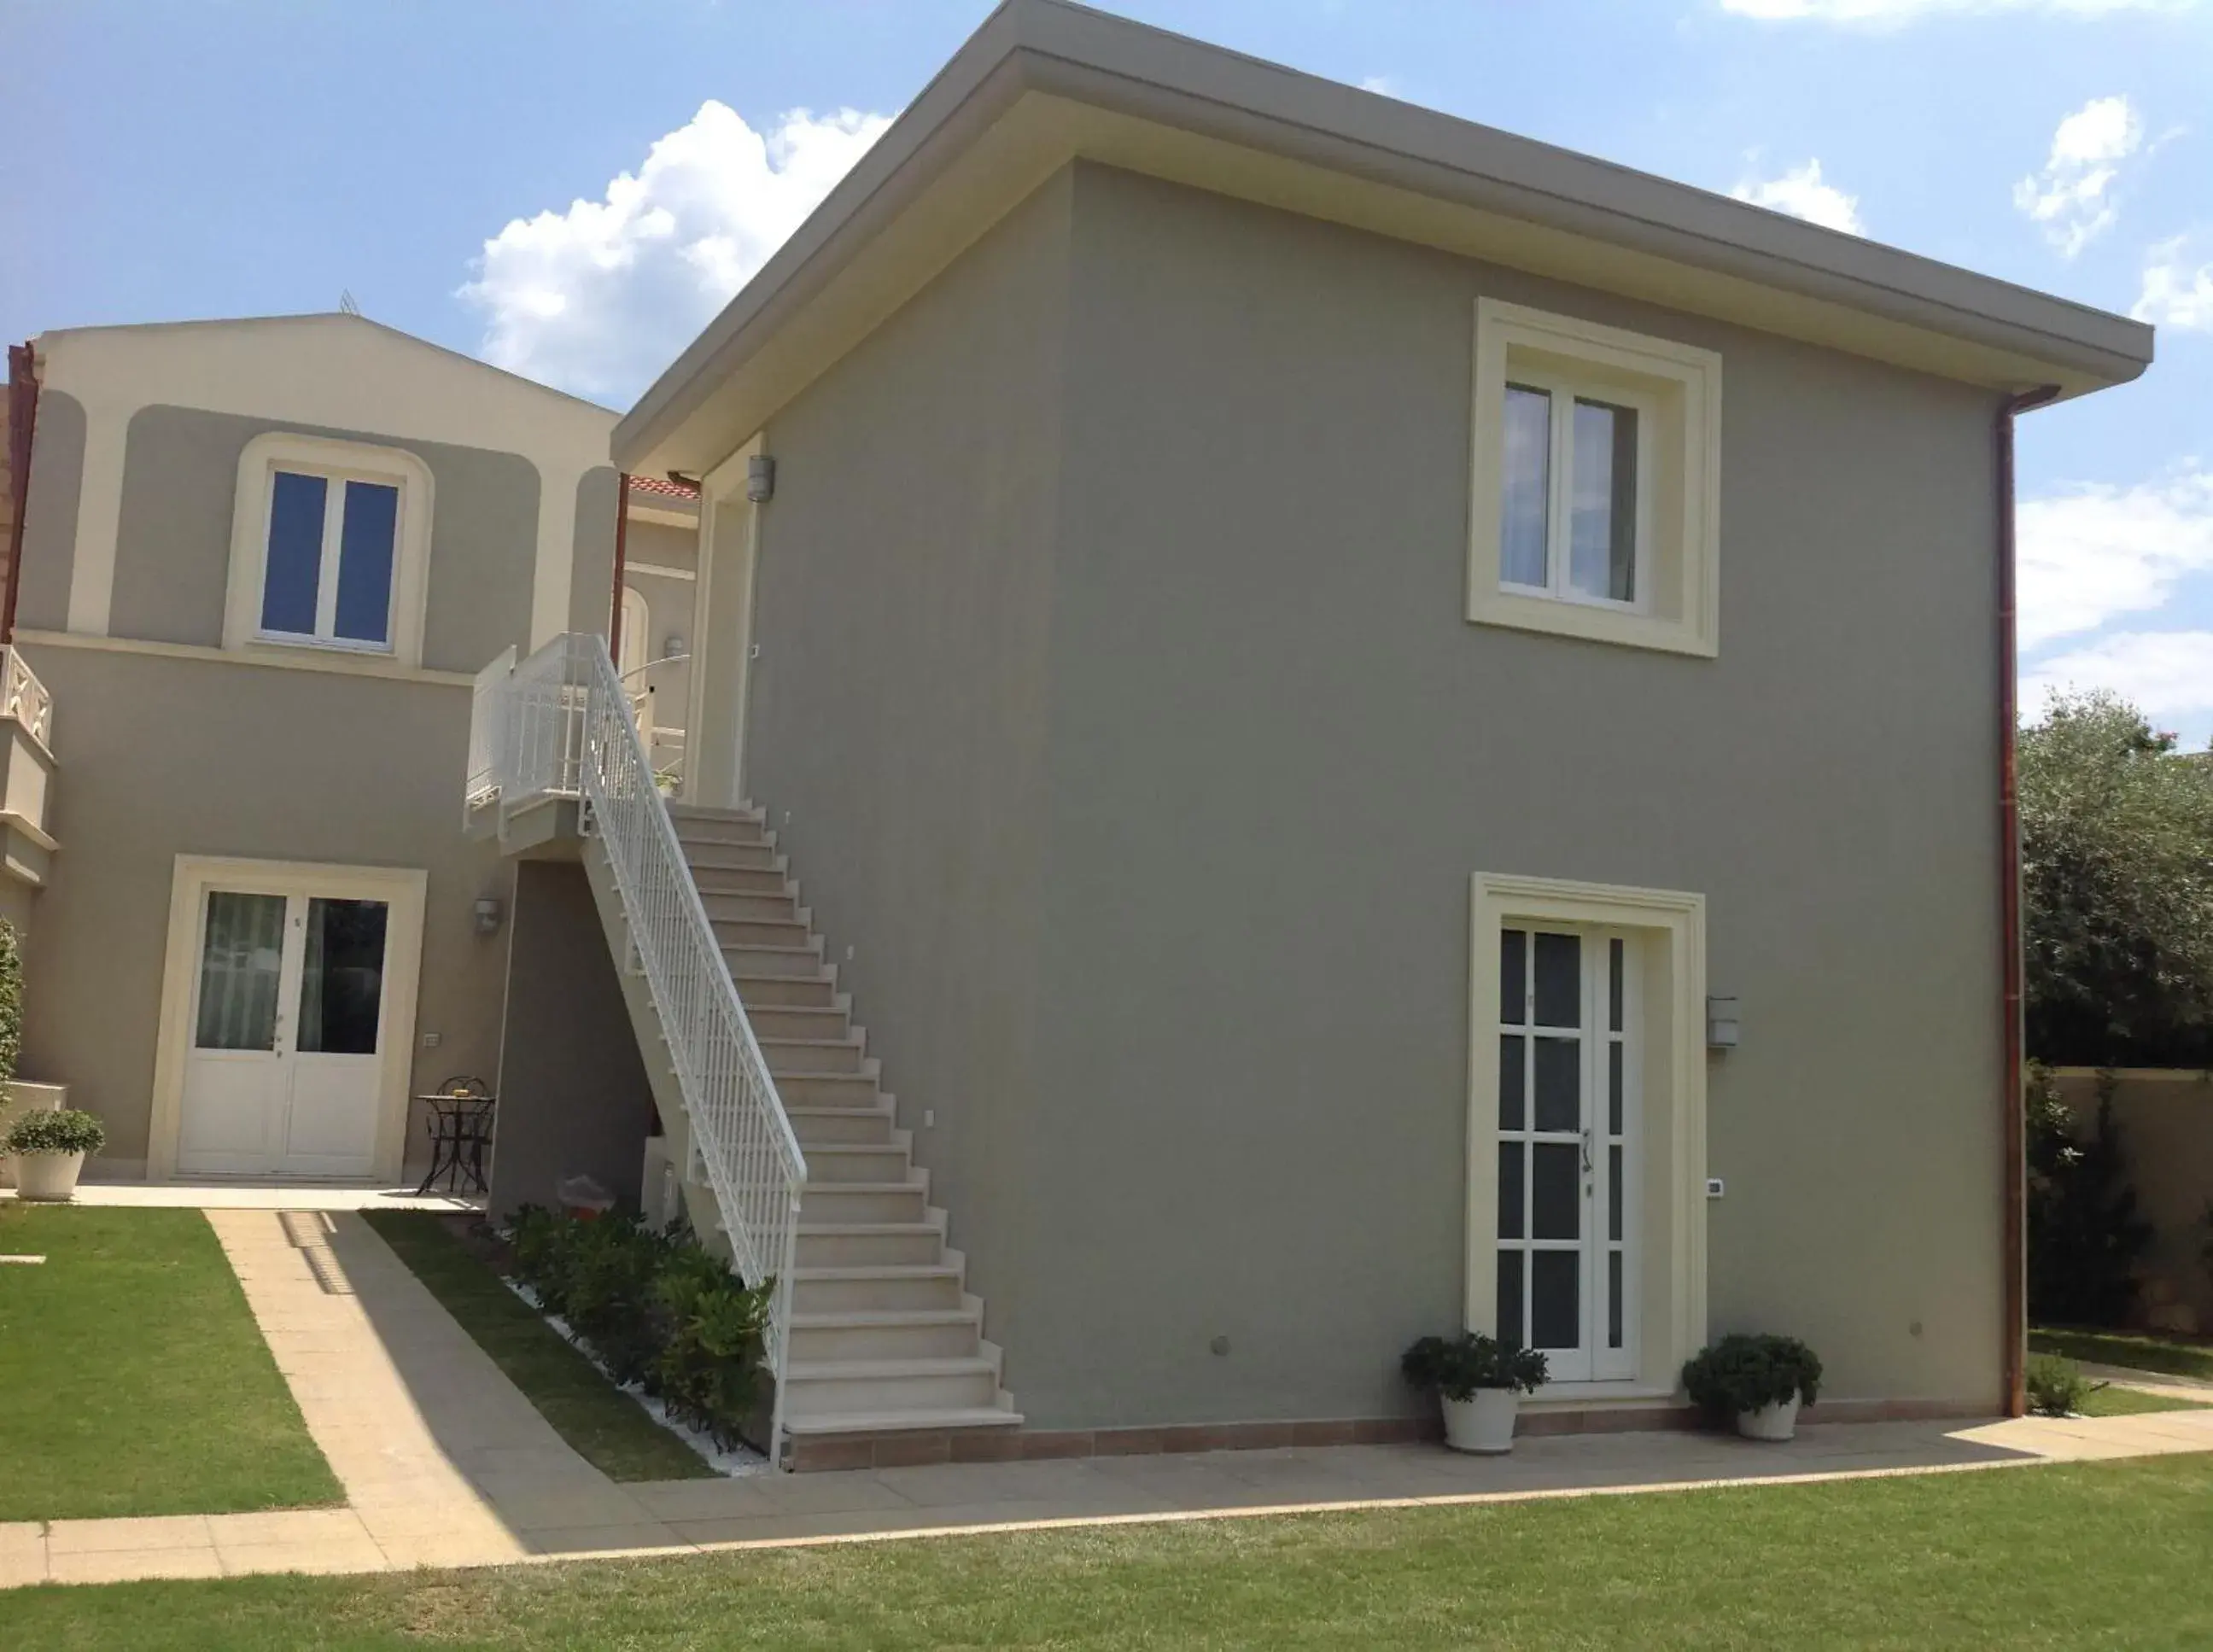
(1596, 482)
(329, 548)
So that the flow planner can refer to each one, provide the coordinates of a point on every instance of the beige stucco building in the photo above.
(1298, 724)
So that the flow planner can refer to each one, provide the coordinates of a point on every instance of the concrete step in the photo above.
(810, 1055)
(710, 812)
(832, 1388)
(841, 1126)
(923, 1333)
(697, 829)
(840, 1203)
(870, 1244)
(744, 881)
(851, 1423)
(813, 1023)
(830, 1162)
(831, 1290)
(803, 963)
(829, 1089)
(748, 908)
(787, 932)
(784, 992)
(731, 857)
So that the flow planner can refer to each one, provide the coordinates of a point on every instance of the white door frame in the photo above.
(722, 633)
(1669, 1204)
(402, 888)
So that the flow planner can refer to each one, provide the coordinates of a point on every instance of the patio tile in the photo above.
(328, 1555)
(649, 1536)
(784, 1528)
(773, 1495)
(20, 1567)
(287, 1526)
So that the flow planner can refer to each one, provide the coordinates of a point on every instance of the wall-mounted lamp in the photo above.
(1721, 1024)
(487, 916)
(761, 478)
(673, 647)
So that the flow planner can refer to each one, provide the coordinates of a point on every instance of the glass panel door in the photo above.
(241, 958)
(342, 977)
(1565, 1113)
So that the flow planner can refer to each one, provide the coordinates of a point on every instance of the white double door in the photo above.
(284, 1072)
(1567, 1136)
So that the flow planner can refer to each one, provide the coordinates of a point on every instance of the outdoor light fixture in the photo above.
(761, 478)
(487, 915)
(1721, 1023)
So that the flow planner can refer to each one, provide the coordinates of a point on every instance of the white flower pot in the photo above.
(1482, 1423)
(48, 1177)
(1778, 1421)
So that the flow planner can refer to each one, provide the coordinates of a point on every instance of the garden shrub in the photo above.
(2084, 1234)
(2056, 1387)
(1743, 1373)
(655, 1309)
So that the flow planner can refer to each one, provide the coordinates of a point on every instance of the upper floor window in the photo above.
(330, 547)
(327, 573)
(1595, 482)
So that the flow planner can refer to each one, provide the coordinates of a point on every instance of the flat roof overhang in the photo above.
(1043, 83)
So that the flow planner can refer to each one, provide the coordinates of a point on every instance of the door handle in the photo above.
(1586, 1152)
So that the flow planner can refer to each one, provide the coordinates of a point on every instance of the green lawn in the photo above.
(605, 1426)
(2109, 1554)
(2139, 1353)
(2115, 1401)
(133, 1378)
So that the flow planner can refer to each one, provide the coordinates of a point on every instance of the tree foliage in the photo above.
(2116, 889)
(2084, 1232)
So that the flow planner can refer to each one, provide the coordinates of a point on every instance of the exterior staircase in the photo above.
(885, 1337)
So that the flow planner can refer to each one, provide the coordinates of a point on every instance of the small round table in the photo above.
(460, 1129)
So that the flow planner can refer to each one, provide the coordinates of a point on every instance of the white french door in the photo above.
(1568, 1135)
(284, 1072)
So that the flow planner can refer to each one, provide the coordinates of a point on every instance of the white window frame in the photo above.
(337, 462)
(1667, 1199)
(1565, 391)
(1676, 390)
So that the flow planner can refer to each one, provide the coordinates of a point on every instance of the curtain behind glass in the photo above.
(241, 957)
(342, 977)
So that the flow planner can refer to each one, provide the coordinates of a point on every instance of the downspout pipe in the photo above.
(2013, 1131)
(23, 419)
(614, 597)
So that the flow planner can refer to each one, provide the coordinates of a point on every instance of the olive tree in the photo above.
(2117, 888)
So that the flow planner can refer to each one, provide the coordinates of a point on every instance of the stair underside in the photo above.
(889, 1345)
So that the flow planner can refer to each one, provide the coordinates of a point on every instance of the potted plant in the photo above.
(49, 1149)
(1758, 1380)
(1478, 1380)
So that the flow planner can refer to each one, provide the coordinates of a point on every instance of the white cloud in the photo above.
(2176, 294)
(1381, 85)
(2163, 673)
(1801, 194)
(2094, 552)
(1884, 12)
(598, 298)
(2072, 199)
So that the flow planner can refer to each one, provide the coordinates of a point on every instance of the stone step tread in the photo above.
(875, 1318)
(836, 1370)
(866, 1270)
(854, 1229)
(707, 811)
(970, 1417)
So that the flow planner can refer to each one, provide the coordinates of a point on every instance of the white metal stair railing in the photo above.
(559, 725)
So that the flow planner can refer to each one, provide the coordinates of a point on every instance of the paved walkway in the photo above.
(445, 1464)
(246, 1195)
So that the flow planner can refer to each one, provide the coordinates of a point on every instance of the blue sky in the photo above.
(571, 189)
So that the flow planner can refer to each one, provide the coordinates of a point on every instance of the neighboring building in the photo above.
(1293, 643)
(263, 561)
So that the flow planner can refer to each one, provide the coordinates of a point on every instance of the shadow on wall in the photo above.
(574, 1096)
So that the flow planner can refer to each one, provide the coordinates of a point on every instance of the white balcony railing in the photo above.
(558, 725)
(24, 697)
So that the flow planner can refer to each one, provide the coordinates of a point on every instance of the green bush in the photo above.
(1455, 1367)
(2056, 1387)
(62, 1130)
(11, 1000)
(655, 1309)
(2084, 1232)
(1742, 1373)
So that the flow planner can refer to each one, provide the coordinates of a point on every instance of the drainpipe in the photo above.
(2013, 1123)
(23, 415)
(622, 539)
